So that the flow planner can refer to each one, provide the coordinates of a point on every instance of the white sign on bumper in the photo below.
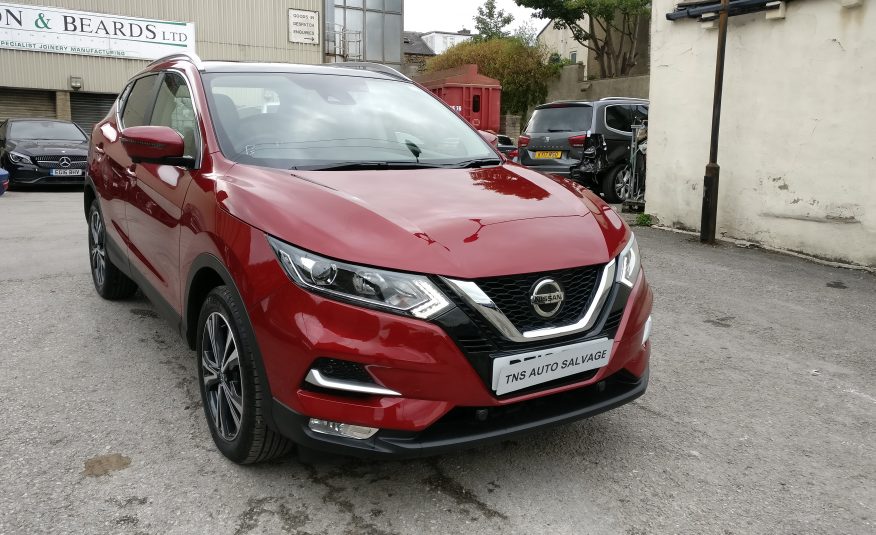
(523, 370)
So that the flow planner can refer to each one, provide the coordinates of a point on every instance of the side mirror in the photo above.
(155, 144)
(490, 138)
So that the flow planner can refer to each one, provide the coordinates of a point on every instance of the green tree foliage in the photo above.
(523, 70)
(490, 22)
(609, 28)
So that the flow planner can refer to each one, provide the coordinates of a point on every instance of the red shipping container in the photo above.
(474, 96)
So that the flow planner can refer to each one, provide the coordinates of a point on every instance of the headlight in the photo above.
(629, 263)
(402, 293)
(17, 157)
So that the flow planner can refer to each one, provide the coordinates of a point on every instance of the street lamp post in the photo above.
(708, 221)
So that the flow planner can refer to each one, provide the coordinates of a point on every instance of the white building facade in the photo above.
(441, 41)
(797, 158)
(563, 43)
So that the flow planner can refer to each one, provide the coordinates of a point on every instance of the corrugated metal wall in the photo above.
(237, 30)
(86, 109)
(18, 103)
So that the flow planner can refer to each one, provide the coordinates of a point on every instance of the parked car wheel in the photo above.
(616, 183)
(109, 281)
(231, 387)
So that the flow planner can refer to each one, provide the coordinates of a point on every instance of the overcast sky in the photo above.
(453, 15)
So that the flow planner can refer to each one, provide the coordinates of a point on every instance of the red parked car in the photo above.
(358, 270)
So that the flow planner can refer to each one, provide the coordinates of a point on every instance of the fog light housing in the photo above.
(338, 429)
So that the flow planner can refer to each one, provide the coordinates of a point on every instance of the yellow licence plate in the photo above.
(553, 154)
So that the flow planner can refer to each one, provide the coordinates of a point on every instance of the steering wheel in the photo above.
(258, 129)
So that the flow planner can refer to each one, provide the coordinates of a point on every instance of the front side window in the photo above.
(174, 108)
(138, 101)
(311, 121)
(54, 130)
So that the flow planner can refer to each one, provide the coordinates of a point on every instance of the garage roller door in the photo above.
(25, 103)
(86, 109)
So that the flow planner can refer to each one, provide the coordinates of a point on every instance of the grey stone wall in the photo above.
(510, 125)
(572, 84)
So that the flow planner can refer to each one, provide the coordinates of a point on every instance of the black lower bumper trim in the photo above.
(460, 428)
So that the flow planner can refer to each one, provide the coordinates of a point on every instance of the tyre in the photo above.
(109, 281)
(616, 184)
(232, 389)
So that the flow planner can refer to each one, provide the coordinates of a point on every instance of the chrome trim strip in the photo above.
(316, 378)
(586, 322)
(481, 302)
(477, 299)
(647, 331)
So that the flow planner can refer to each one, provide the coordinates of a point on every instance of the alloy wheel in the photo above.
(98, 249)
(220, 363)
(623, 183)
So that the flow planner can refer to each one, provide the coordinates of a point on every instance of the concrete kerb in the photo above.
(745, 243)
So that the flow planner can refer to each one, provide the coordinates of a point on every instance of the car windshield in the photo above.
(561, 119)
(53, 130)
(321, 121)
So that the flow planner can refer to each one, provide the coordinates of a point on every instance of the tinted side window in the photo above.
(174, 108)
(561, 119)
(618, 117)
(138, 101)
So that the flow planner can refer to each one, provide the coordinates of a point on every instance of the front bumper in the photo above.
(33, 175)
(559, 170)
(438, 375)
(461, 428)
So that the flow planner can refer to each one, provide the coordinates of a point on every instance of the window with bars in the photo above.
(378, 23)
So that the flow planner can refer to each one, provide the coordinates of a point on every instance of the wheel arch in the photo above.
(89, 196)
(208, 272)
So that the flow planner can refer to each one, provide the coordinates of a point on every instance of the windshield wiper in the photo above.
(370, 166)
(376, 165)
(480, 162)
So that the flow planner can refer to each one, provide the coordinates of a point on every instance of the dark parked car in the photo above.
(43, 151)
(506, 146)
(357, 269)
(562, 135)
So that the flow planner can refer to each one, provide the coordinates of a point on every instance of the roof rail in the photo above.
(625, 98)
(369, 66)
(189, 56)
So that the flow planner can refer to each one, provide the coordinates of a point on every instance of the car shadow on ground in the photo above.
(473, 485)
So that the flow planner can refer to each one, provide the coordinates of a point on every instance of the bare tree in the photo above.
(610, 31)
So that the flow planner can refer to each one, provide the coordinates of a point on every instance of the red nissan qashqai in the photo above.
(357, 268)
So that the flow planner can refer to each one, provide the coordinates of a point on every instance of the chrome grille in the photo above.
(54, 161)
(512, 295)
